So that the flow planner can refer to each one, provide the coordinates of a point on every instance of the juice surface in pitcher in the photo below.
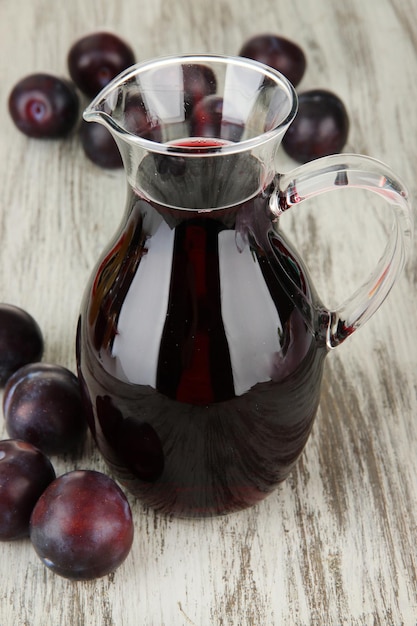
(200, 372)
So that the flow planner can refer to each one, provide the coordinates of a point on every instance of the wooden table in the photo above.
(336, 544)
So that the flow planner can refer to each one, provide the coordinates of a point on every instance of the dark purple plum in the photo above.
(25, 473)
(320, 127)
(21, 340)
(81, 526)
(99, 145)
(42, 404)
(199, 82)
(277, 52)
(97, 58)
(44, 106)
(207, 121)
(137, 119)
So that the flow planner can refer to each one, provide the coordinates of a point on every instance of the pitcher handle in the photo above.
(360, 172)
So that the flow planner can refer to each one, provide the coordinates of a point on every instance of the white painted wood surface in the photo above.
(337, 543)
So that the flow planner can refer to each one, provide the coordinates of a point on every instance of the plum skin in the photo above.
(99, 145)
(44, 106)
(25, 473)
(21, 340)
(320, 128)
(81, 526)
(95, 59)
(42, 404)
(279, 53)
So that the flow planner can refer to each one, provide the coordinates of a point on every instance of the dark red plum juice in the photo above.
(199, 350)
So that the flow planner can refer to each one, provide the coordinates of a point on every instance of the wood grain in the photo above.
(336, 543)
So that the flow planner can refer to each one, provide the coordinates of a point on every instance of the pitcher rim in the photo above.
(92, 114)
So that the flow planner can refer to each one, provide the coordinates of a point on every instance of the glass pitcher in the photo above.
(201, 339)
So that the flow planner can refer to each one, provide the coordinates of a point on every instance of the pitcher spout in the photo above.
(178, 121)
(103, 108)
(91, 114)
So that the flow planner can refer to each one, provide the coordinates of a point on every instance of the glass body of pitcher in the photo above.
(201, 339)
